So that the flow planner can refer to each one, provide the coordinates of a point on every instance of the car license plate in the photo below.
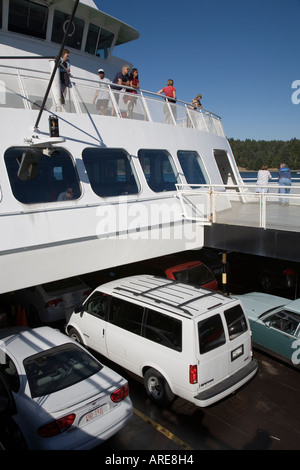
(237, 352)
(93, 414)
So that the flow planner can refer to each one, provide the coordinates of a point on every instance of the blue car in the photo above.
(275, 325)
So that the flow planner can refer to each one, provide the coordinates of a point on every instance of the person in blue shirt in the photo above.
(121, 79)
(285, 180)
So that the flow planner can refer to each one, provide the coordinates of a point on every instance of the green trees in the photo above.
(252, 154)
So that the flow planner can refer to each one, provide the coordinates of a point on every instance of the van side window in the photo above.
(211, 334)
(126, 315)
(236, 321)
(164, 330)
(96, 304)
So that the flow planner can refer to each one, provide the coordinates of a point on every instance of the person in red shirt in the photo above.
(170, 95)
(134, 83)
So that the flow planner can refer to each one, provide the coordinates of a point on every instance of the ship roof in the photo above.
(88, 9)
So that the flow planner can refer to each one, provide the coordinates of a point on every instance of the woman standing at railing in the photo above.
(263, 177)
(170, 94)
(134, 83)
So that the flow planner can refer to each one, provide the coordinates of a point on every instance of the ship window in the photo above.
(192, 167)
(29, 18)
(110, 172)
(98, 41)
(60, 24)
(159, 169)
(48, 177)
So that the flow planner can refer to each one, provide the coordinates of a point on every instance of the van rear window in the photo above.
(236, 321)
(211, 334)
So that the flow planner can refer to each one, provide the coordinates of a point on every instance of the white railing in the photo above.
(25, 88)
(241, 205)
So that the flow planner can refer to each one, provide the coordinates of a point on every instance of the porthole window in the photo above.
(28, 18)
(110, 171)
(60, 25)
(98, 41)
(192, 167)
(159, 169)
(36, 177)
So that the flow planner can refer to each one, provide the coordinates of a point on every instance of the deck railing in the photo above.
(241, 205)
(26, 88)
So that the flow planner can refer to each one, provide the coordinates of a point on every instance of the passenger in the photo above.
(170, 95)
(285, 180)
(196, 103)
(66, 195)
(131, 100)
(102, 95)
(122, 79)
(65, 72)
(263, 177)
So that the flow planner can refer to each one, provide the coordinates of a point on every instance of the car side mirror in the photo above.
(78, 309)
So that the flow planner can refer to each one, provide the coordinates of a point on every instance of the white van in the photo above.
(184, 340)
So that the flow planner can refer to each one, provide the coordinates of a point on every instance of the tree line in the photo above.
(252, 154)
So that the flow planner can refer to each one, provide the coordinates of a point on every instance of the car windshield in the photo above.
(262, 315)
(58, 368)
(197, 275)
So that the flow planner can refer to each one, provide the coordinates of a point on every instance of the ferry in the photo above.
(125, 172)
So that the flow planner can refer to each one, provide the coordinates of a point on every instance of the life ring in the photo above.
(65, 27)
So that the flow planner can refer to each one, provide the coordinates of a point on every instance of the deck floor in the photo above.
(278, 217)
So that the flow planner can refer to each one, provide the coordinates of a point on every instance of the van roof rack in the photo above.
(149, 293)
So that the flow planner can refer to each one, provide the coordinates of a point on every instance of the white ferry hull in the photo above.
(44, 241)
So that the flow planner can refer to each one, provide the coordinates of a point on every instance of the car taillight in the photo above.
(53, 303)
(57, 426)
(193, 374)
(120, 394)
(288, 272)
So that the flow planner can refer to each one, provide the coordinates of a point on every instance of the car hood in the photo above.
(96, 386)
(257, 303)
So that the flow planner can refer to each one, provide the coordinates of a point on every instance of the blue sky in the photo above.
(241, 55)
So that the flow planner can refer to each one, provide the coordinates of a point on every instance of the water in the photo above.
(251, 176)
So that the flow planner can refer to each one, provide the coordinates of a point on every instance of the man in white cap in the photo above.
(102, 95)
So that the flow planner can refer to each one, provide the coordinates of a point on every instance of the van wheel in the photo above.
(158, 388)
(75, 335)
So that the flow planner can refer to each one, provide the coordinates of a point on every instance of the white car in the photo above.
(65, 398)
(52, 301)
